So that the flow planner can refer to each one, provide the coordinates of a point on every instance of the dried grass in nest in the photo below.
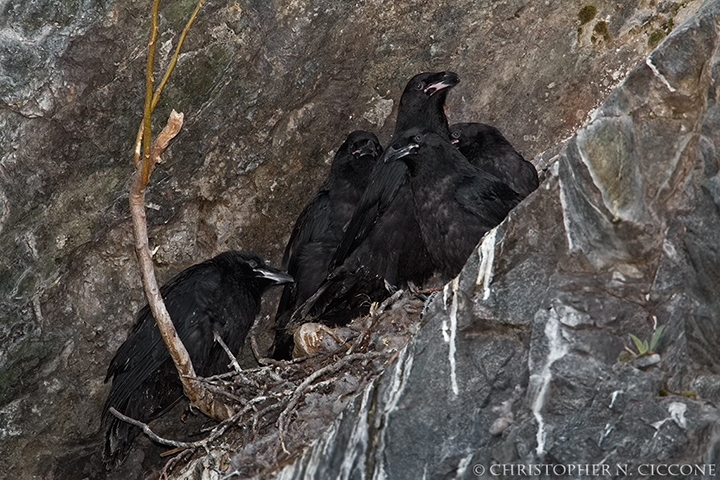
(284, 406)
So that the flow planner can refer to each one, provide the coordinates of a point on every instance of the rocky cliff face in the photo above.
(515, 363)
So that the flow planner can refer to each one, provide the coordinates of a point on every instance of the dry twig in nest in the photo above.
(300, 390)
(362, 341)
(285, 405)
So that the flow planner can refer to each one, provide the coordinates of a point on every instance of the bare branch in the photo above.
(231, 356)
(193, 389)
(174, 59)
(148, 431)
(151, 103)
(145, 164)
(216, 433)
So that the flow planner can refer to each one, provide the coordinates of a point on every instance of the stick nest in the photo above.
(282, 407)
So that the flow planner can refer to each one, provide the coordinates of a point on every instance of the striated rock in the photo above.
(516, 363)
(623, 230)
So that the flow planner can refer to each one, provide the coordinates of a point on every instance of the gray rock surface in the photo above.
(622, 231)
(517, 363)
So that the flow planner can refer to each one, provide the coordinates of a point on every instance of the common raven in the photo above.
(382, 247)
(455, 203)
(487, 149)
(320, 227)
(219, 296)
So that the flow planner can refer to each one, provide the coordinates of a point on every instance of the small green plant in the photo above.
(601, 31)
(643, 347)
(587, 13)
(665, 392)
(655, 38)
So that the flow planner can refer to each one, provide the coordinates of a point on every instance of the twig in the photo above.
(146, 137)
(249, 405)
(152, 99)
(148, 431)
(328, 369)
(254, 346)
(170, 464)
(284, 363)
(217, 432)
(221, 376)
(233, 360)
(145, 162)
(174, 59)
(193, 389)
(225, 393)
(258, 415)
(274, 375)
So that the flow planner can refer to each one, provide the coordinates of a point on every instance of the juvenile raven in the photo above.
(455, 203)
(320, 227)
(487, 149)
(390, 254)
(382, 246)
(422, 103)
(220, 295)
(422, 106)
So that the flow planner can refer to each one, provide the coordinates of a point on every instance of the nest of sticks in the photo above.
(283, 406)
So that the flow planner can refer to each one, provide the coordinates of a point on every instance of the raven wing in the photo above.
(385, 181)
(143, 353)
(486, 197)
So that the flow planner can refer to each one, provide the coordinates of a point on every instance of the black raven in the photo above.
(319, 228)
(390, 254)
(422, 103)
(219, 296)
(455, 203)
(422, 106)
(382, 246)
(487, 149)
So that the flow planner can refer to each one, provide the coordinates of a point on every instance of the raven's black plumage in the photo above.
(219, 295)
(382, 244)
(319, 228)
(455, 203)
(486, 148)
(422, 106)
(422, 103)
(389, 254)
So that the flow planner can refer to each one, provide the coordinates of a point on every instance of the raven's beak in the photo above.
(275, 276)
(392, 154)
(368, 149)
(441, 81)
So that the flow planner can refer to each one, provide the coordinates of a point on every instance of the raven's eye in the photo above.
(418, 138)
(455, 134)
(253, 264)
(420, 85)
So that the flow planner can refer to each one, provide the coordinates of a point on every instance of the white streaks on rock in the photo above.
(541, 377)
(659, 75)
(487, 257)
(450, 332)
